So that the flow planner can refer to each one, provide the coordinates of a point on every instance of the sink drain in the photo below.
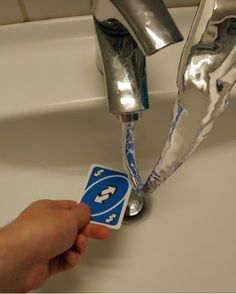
(135, 207)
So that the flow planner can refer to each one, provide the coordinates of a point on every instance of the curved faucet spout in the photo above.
(127, 31)
(148, 22)
(207, 73)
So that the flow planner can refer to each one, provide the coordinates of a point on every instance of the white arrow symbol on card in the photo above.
(105, 194)
(99, 172)
(110, 218)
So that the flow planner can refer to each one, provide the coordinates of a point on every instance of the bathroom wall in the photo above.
(14, 11)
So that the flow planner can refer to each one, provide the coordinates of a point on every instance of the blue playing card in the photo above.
(106, 193)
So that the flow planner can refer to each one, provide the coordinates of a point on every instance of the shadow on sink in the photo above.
(80, 137)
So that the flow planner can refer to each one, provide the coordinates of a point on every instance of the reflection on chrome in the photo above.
(127, 101)
(207, 73)
(127, 31)
(159, 41)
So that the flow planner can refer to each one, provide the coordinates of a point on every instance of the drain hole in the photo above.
(136, 207)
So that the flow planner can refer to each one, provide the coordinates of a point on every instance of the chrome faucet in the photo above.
(127, 31)
(207, 73)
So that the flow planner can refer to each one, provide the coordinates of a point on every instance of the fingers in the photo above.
(69, 258)
(82, 214)
(96, 232)
(72, 258)
(81, 243)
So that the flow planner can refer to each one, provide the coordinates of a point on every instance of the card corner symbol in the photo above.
(111, 218)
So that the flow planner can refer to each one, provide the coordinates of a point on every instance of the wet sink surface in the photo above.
(185, 242)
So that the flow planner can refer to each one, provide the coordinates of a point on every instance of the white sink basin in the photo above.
(54, 124)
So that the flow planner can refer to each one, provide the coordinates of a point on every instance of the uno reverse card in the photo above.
(106, 193)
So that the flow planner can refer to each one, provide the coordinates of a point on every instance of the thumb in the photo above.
(82, 215)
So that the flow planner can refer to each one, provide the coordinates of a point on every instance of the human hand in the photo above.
(49, 236)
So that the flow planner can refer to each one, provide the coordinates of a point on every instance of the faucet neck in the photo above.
(124, 67)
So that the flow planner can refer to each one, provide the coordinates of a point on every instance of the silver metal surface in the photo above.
(135, 206)
(126, 32)
(207, 73)
(148, 22)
